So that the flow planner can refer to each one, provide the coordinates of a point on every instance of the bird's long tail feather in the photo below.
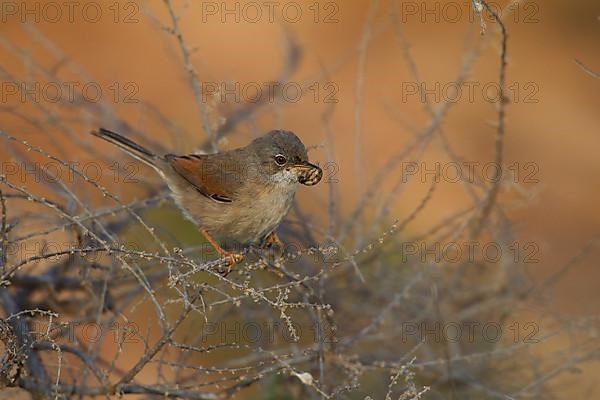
(127, 145)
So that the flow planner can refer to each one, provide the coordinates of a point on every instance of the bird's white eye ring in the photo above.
(280, 159)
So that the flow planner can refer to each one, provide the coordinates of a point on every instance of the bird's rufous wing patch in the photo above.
(209, 177)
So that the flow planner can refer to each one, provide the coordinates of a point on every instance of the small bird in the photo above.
(236, 197)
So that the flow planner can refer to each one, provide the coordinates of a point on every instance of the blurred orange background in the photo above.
(558, 130)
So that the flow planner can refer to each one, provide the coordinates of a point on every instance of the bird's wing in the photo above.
(213, 175)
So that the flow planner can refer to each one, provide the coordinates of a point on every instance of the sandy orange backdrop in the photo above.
(558, 131)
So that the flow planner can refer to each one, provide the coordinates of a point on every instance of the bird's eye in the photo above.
(280, 159)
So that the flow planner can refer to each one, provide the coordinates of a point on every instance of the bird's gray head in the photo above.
(283, 157)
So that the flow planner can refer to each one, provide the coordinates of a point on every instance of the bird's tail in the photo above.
(128, 146)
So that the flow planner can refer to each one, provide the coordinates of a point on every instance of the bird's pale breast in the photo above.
(255, 212)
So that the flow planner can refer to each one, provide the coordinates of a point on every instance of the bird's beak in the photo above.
(308, 174)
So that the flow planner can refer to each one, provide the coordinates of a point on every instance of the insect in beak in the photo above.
(308, 174)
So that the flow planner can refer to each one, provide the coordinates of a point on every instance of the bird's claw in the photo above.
(273, 240)
(231, 259)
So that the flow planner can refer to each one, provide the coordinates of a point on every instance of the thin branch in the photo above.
(196, 85)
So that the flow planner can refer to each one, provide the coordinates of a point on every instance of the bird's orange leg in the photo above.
(232, 258)
(273, 239)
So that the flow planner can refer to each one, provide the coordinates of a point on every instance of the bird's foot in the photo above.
(272, 240)
(231, 259)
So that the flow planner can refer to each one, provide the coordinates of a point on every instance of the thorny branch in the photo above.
(111, 303)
